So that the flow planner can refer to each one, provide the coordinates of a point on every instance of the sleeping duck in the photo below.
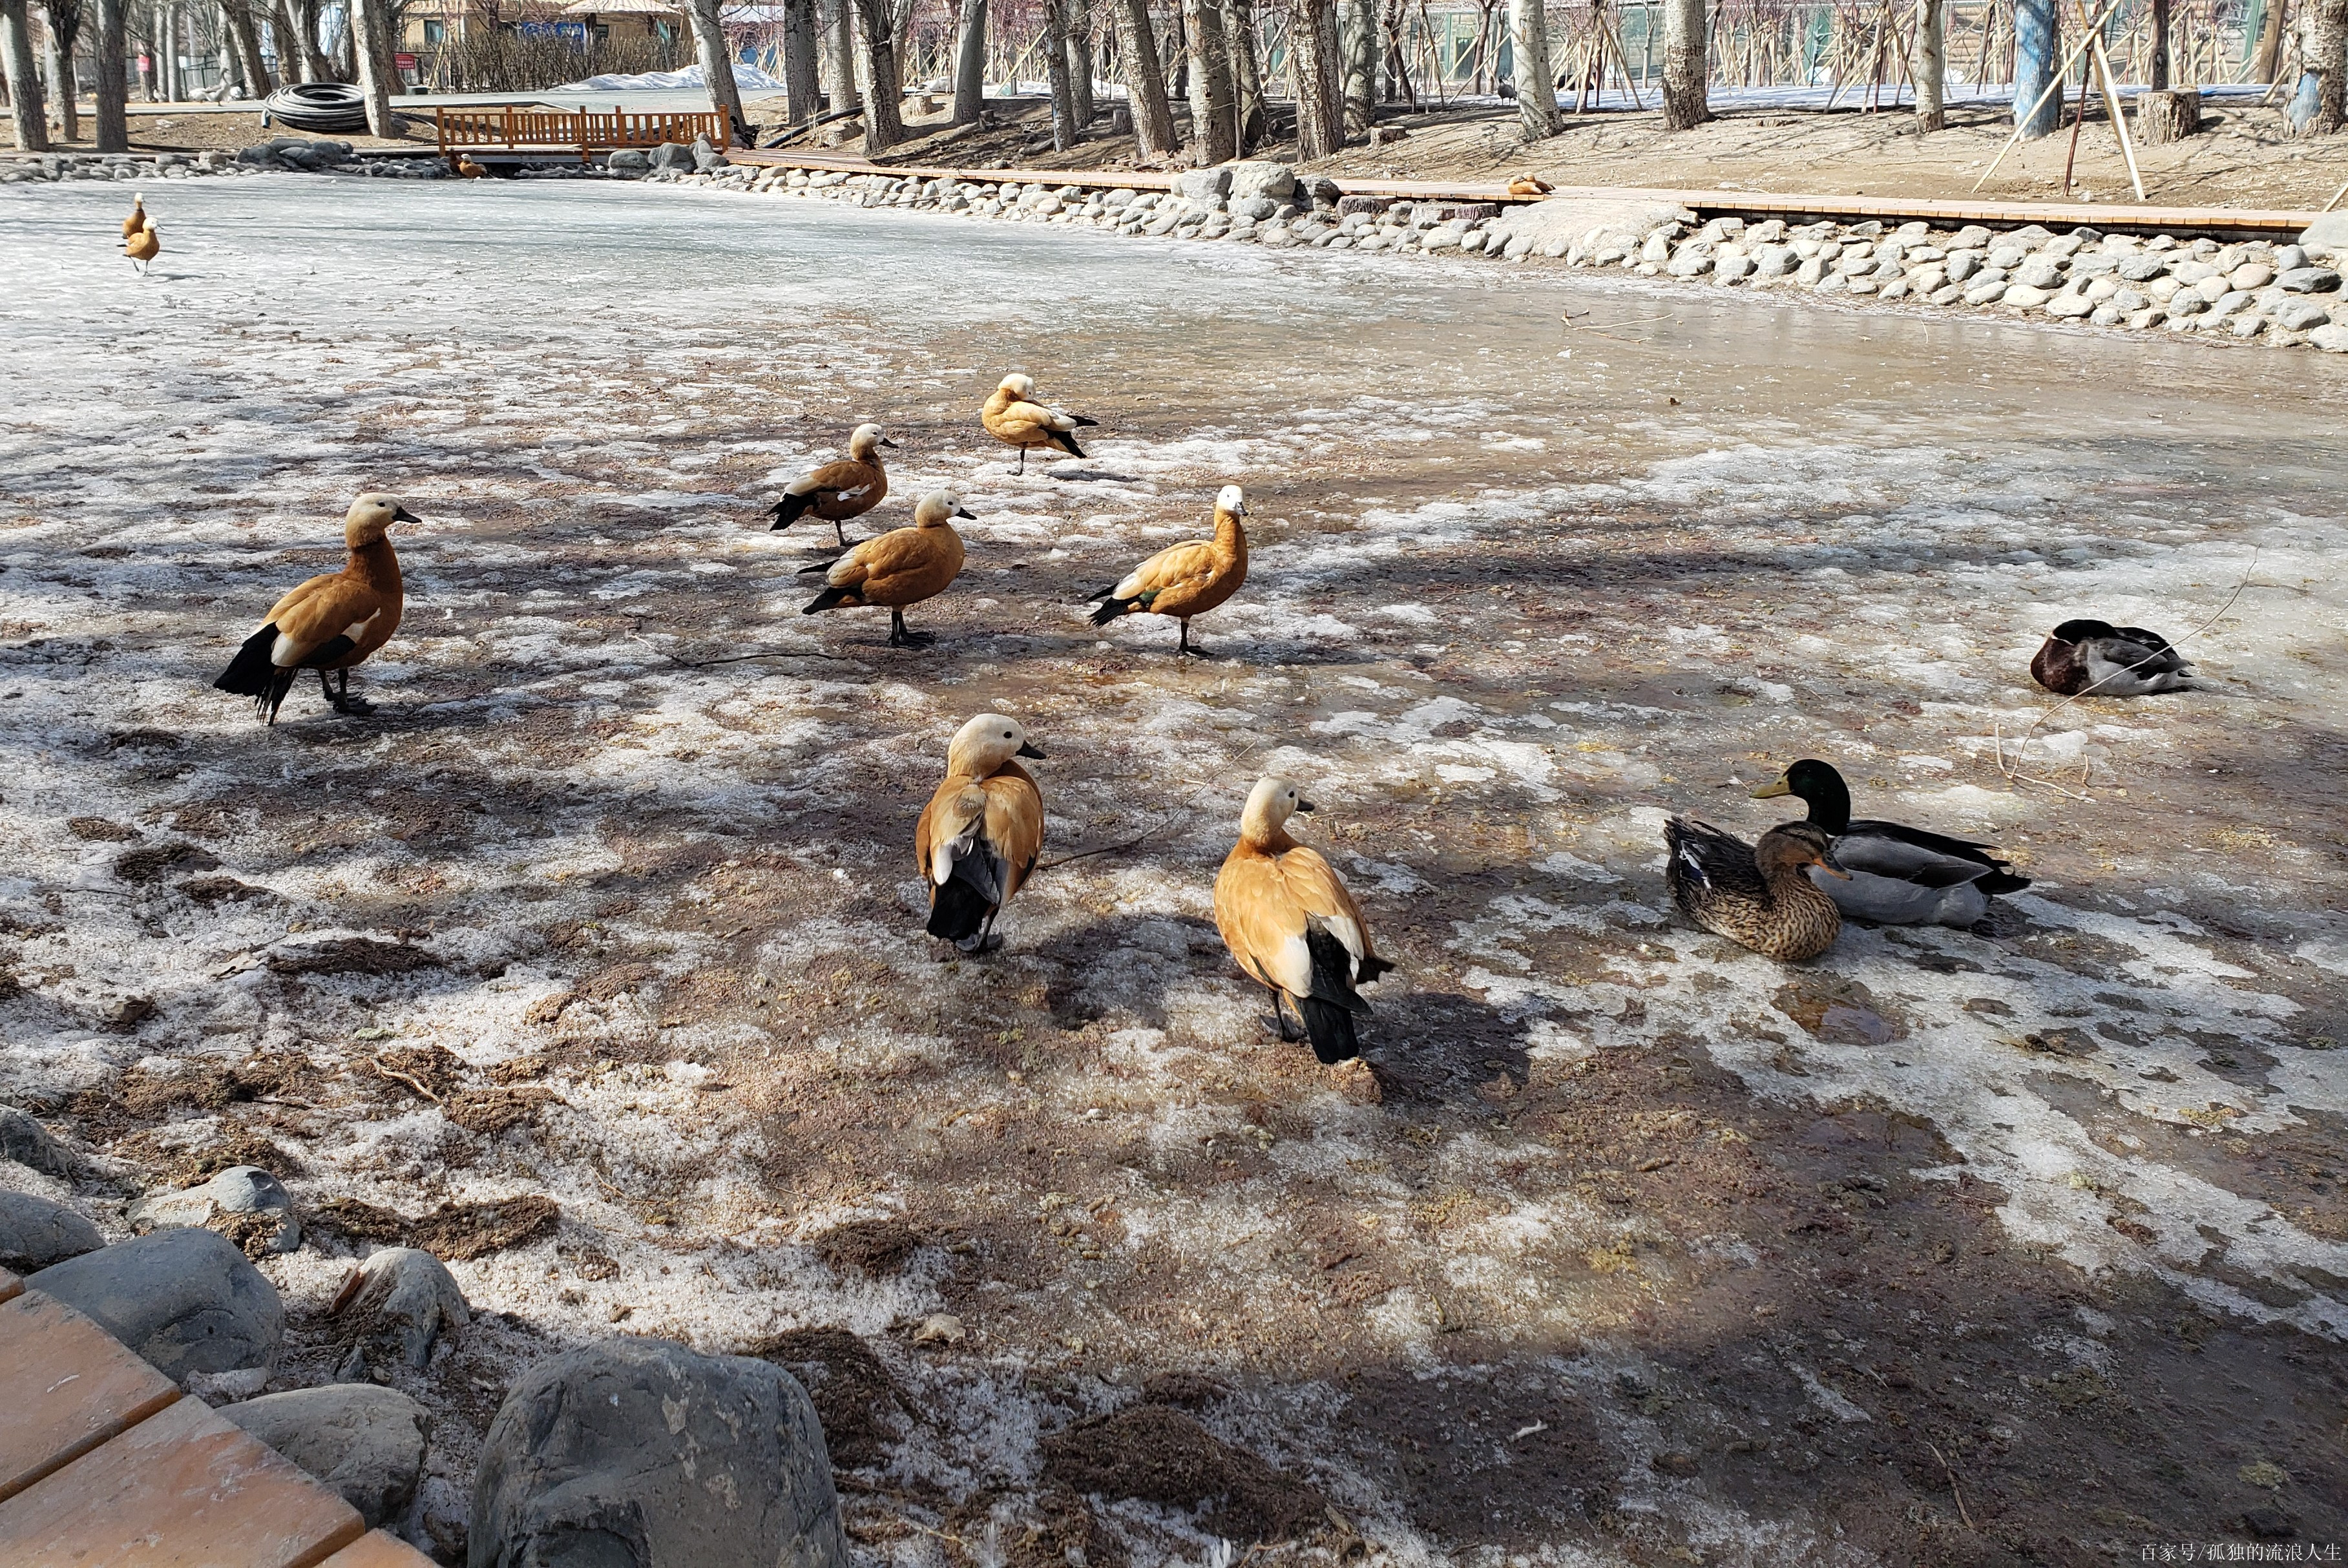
(2096, 658)
(1897, 875)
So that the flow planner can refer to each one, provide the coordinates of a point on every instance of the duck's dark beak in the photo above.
(888, 443)
(965, 514)
(1827, 864)
(1304, 806)
(1243, 509)
(1029, 749)
(1771, 791)
(401, 514)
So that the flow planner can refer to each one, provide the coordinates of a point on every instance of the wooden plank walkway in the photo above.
(103, 1460)
(2057, 216)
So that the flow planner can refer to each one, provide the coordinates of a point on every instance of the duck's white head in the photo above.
(864, 440)
(1018, 384)
(1232, 499)
(1268, 806)
(935, 507)
(371, 516)
(982, 746)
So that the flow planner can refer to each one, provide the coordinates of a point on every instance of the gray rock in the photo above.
(706, 158)
(36, 1232)
(2108, 314)
(239, 1190)
(672, 157)
(2332, 339)
(1774, 262)
(406, 1300)
(630, 163)
(2248, 326)
(2039, 272)
(185, 1299)
(366, 1442)
(1319, 189)
(1690, 263)
(2300, 315)
(1254, 209)
(2288, 257)
(2069, 306)
(1733, 269)
(1988, 292)
(641, 1452)
(2229, 303)
(1256, 179)
(1205, 186)
(1962, 264)
(2192, 271)
(27, 1142)
(2309, 279)
(1811, 272)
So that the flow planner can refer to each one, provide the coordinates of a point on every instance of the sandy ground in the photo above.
(2019, 1246)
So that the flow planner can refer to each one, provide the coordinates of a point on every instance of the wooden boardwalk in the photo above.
(2058, 216)
(102, 1461)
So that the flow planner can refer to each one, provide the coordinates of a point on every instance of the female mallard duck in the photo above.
(1755, 895)
(1895, 875)
(2096, 658)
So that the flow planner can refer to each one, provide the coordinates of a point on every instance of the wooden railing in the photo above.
(514, 127)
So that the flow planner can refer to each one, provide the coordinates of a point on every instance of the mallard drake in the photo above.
(2096, 658)
(1755, 895)
(901, 567)
(329, 623)
(1187, 579)
(1012, 417)
(1894, 874)
(980, 834)
(1293, 926)
(837, 491)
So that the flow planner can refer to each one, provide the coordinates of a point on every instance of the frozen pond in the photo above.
(1649, 1238)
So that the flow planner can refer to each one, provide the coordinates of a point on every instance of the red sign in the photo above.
(403, 62)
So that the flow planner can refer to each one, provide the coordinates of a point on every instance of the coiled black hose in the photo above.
(318, 106)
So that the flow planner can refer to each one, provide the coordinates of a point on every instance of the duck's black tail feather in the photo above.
(250, 674)
(2002, 882)
(1067, 443)
(957, 910)
(790, 509)
(830, 599)
(1330, 1027)
(1110, 608)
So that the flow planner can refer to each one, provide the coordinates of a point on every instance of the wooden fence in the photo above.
(515, 127)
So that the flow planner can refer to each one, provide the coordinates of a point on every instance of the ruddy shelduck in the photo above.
(837, 491)
(1293, 927)
(329, 623)
(144, 244)
(901, 567)
(467, 168)
(137, 219)
(1187, 579)
(1012, 417)
(979, 836)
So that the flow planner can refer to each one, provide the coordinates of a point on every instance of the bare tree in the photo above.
(799, 82)
(1247, 75)
(841, 40)
(1079, 21)
(1320, 121)
(1065, 133)
(1536, 81)
(24, 78)
(1212, 98)
(2327, 56)
(303, 14)
(63, 18)
(970, 64)
(884, 124)
(1145, 82)
(1687, 64)
(374, 68)
(113, 122)
(1930, 64)
(1361, 61)
(246, 37)
(716, 57)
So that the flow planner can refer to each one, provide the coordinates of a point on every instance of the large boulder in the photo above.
(36, 1232)
(1257, 178)
(239, 1190)
(630, 163)
(706, 158)
(1560, 220)
(366, 1442)
(641, 1454)
(2328, 233)
(673, 157)
(406, 1300)
(1207, 187)
(27, 1142)
(186, 1300)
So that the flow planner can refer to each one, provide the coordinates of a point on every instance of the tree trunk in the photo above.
(2269, 42)
(2327, 56)
(1687, 64)
(1247, 75)
(314, 66)
(1145, 82)
(1209, 66)
(840, 40)
(884, 124)
(248, 48)
(2037, 53)
(24, 78)
(113, 125)
(2171, 114)
(799, 84)
(1930, 65)
(1536, 96)
(970, 64)
(63, 18)
(1080, 60)
(1320, 124)
(2158, 73)
(373, 69)
(709, 46)
(1065, 134)
(1361, 62)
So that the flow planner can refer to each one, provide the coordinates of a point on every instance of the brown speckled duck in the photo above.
(1758, 896)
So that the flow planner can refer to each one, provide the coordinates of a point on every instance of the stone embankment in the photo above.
(2281, 293)
(283, 154)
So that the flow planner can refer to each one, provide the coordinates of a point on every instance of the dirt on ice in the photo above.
(594, 959)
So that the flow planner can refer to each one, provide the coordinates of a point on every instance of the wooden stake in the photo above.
(2053, 86)
(2336, 199)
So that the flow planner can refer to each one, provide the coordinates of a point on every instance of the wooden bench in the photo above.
(519, 127)
(103, 1460)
